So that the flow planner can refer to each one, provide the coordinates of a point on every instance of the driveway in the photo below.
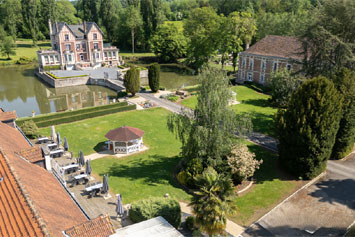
(325, 208)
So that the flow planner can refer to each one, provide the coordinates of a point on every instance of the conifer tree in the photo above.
(132, 80)
(307, 128)
(154, 77)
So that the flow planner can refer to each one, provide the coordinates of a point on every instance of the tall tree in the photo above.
(132, 80)
(213, 201)
(10, 12)
(329, 43)
(152, 16)
(202, 30)
(344, 81)
(133, 21)
(154, 77)
(208, 133)
(108, 14)
(48, 10)
(90, 9)
(30, 18)
(8, 47)
(248, 27)
(307, 128)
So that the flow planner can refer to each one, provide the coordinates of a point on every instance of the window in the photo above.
(109, 54)
(56, 58)
(262, 78)
(263, 65)
(67, 47)
(242, 76)
(105, 54)
(77, 46)
(97, 55)
(66, 36)
(250, 76)
(251, 64)
(114, 54)
(81, 57)
(51, 59)
(69, 58)
(46, 59)
(275, 66)
(83, 45)
(95, 36)
(288, 67)
(244, 62)
(96, 45)
(55, 46)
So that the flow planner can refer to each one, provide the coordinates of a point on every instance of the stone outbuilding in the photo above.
(125, 140)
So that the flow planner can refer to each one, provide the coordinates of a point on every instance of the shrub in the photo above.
(173, 98)
(121, 94)
(52, 67)
(154, 207)
(190, 223)
(55, 77)
(132, 80)
(154, 77)
(23, 60)
(30, 129)
(182, 177)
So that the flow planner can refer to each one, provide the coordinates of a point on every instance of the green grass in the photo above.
(25, 49)
(129, 54)
(252, 102)
(219, 66)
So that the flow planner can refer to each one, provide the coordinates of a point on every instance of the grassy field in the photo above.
(127, 53)
(252, 102)
(151, 173)
(25, 49)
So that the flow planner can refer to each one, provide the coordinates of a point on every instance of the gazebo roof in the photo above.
(124, 134)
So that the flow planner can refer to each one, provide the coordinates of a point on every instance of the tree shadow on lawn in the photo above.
(154, 170)
(258, 102)
(100, 147)
(262, 122)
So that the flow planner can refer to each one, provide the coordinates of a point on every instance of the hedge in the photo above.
(71, 116)
(149, 208)
(55, 77)
(53, 67)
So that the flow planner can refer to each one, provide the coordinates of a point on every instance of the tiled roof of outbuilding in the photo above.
(32, 154)
(277, 46)
(124, 134)
(99, 227)
(5, 116)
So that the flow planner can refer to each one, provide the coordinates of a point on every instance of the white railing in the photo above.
(128, 149)
(58, 170)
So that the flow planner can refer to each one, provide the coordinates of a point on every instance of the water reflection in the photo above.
(20, 90)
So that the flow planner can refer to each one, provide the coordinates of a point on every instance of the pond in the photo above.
(20, 90)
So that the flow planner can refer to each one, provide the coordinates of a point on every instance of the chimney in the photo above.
(47, 158)
(56, 27)
(84, 27)
(50, 27)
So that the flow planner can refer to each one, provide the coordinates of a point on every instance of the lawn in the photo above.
(25, 49)
(127, 53)
(252, 102)
(150, 173)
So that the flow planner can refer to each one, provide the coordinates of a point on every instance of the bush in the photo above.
(121, 94)
(132, 80)
(55, 77)
(182, 177)
(23, 60)
(53, 67)
(190, 223)
(30, 129)
(154, 77)
(173, 98)
(154, 207)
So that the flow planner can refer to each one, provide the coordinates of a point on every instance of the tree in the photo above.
(10, 12)
(152, 16)
(328, 44)
(30, 18)
(283, 84)
(154, 77)
(48, 10)
(344, 81)
(132, 80)
(248, 27)
(133, 21)
(90, 10)
(202, 30)
(8, 47)
(168, 43)
(242, 162)
(208, 132)
(212, 202)
(108, 13)
(65, 12)
(307, 128)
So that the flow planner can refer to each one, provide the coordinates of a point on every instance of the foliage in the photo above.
(23, 60)
(208, 132)
(132, 80)
(328, 44)
(173, 98)
(283, 84)
(51, 67)
(108, 14)
(201, 29)
(344, 81)
(29, 15)
(90, 10)
(242, 162)
(8, 47)
(307, 128)
(190, 223)
(154, 77)
(30, 129)
(133, 21)
(212, 202)
(121, 94)
(55, 77)
(168, 43)
(153, 207)
(182, 177)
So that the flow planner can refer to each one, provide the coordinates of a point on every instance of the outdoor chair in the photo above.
(70, 178)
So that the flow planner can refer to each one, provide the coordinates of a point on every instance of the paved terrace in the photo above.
(93, 73)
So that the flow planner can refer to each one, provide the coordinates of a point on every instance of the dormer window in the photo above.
(95, 36)
(66, 36)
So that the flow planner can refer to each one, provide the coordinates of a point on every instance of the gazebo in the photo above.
(125, 140)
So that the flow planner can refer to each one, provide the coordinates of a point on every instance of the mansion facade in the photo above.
(77, 47)
(268, 55)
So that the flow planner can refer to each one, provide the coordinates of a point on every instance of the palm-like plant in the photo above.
(212, 202)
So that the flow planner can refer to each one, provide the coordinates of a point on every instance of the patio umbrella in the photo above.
(66, 145)
(53, 135)
(105, 184)
(119, 207)
(59, 140)
(81, 159)
(88, 167)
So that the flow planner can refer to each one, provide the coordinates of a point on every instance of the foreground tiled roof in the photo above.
(277, 46)
(99, 227)
(124, 134)
(16, 216)
(56, 210)
(5, 116)
(32, 154)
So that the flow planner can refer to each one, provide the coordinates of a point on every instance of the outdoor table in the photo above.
(79, 177)
(70, 167)
(94, 187)
(56, 153)
(43, 139)
(52, 146)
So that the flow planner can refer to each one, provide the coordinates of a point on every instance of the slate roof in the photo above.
(77, 30)
(32, 154)
(17, 217)
(124, 134)
(277, 46)
(6, 116)
(101, 226)
(40, 186)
